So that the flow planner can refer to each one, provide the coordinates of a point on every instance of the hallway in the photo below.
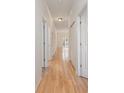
(61, 46)
(60, 77)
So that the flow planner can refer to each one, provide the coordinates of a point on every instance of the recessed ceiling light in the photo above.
(59, 19)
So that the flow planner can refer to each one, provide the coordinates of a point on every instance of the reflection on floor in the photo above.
(60, 77)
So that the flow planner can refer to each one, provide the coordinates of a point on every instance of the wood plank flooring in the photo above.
(60, 77)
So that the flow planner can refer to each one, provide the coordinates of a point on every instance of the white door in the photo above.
(84, 45)
(78, 44)
(75, 45)
(45, 45)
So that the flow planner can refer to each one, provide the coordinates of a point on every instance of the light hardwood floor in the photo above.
(60, 77)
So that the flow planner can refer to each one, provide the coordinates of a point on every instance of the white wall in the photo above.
(41, 12)
(53, 41)
(38, 39)
(76, 9)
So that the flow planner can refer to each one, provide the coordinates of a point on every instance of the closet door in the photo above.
(45, 45)
(75, 45)
(84, 45)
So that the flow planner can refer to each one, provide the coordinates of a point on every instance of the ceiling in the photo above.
(60, 9)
